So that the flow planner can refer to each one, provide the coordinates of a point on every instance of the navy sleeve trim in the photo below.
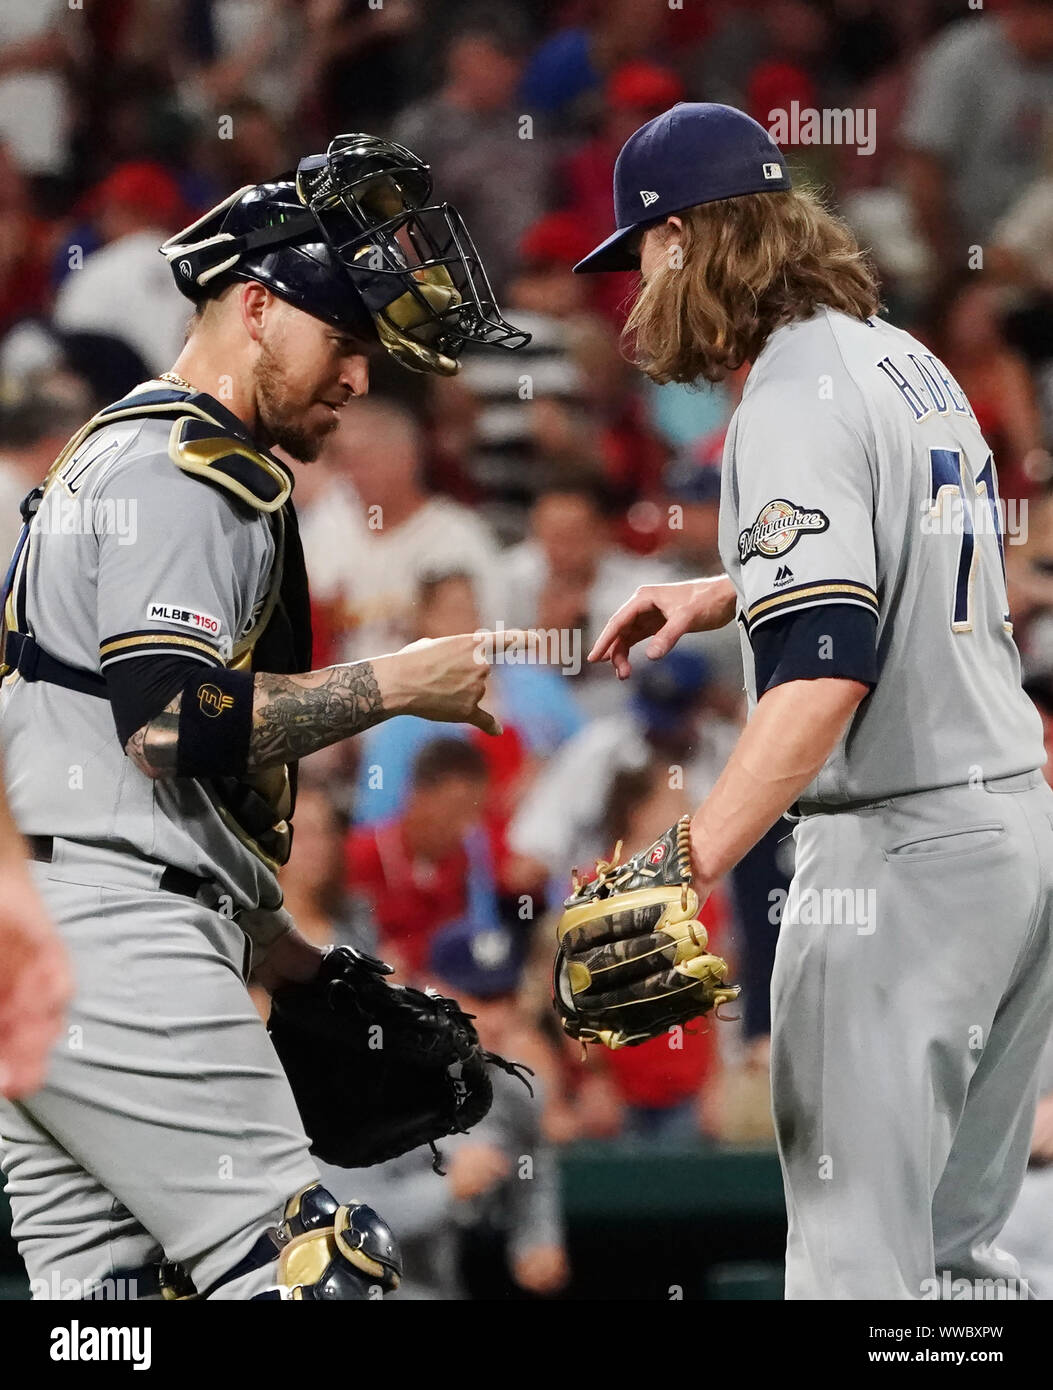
(838, 640)
(811, 595)
(150, 642)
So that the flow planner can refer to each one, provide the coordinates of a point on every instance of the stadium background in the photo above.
(537, 489)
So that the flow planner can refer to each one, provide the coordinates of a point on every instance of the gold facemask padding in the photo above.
(381, 196)
(397, 324)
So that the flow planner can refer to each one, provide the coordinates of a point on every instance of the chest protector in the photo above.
(210, 443)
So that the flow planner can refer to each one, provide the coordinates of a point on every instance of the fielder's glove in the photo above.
(633, 958)
(378, 1069)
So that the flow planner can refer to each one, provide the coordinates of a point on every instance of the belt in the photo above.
(1014, 782)
(173, 880)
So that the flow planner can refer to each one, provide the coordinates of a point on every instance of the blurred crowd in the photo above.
(537, 488)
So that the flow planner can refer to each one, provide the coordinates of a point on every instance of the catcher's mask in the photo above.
(353, 240)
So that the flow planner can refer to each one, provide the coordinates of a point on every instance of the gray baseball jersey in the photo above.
(855, 473)
(152, 539)
(130, 556)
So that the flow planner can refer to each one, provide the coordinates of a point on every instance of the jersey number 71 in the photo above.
(950, 480)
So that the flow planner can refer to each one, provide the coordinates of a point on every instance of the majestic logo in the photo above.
(783, 575)
(779, 526)
(657, 855)
(772, 171)
(649, 196)
(212, 700)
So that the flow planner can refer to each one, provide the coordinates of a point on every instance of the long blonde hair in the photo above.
(744, 266)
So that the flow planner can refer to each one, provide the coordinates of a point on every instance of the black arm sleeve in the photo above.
(142, 686)
(215, 716)
(834, 639)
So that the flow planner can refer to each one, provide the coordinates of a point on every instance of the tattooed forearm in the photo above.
(291, 717)
(296, 715)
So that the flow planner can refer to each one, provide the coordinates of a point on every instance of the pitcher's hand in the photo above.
(663, 612)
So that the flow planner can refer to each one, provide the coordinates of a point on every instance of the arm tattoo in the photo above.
(155, 747)
(291, 717)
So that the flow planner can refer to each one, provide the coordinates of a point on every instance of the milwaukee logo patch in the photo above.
(779, 526)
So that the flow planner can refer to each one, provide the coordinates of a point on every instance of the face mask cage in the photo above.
(414, 262)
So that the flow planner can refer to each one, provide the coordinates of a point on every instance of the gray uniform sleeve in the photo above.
(188, 577)
(804, 504)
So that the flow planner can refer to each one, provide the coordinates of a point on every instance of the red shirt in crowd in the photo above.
(658, 1075)
(411, 897)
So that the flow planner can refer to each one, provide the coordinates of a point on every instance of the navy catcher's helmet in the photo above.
(353, 241)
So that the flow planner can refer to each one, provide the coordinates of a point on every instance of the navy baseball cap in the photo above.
(696, 152)
(486, 961)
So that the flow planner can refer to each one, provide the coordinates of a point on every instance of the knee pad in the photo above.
(320, 1252)
(331, 1252)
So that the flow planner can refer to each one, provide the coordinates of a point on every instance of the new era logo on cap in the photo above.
(772, 171)
(648, 197)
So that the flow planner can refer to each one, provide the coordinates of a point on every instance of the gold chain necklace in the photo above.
(175, 380)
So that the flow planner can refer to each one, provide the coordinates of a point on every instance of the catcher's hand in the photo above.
(633, 957)
(378, 1069)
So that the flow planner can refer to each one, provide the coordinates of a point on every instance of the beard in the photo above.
(283, 421)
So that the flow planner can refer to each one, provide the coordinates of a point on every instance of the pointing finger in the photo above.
(620, 659)
(483, 719)
(616, 625)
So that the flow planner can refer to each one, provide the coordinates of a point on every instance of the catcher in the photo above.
(159, 697)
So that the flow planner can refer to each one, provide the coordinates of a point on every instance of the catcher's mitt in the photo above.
(633, 957)
(378, 1069)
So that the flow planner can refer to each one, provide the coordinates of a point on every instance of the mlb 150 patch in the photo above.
(184, 617)
(779, 526)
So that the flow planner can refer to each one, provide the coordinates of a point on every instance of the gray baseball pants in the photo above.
(912, 998)
(166, 1125)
